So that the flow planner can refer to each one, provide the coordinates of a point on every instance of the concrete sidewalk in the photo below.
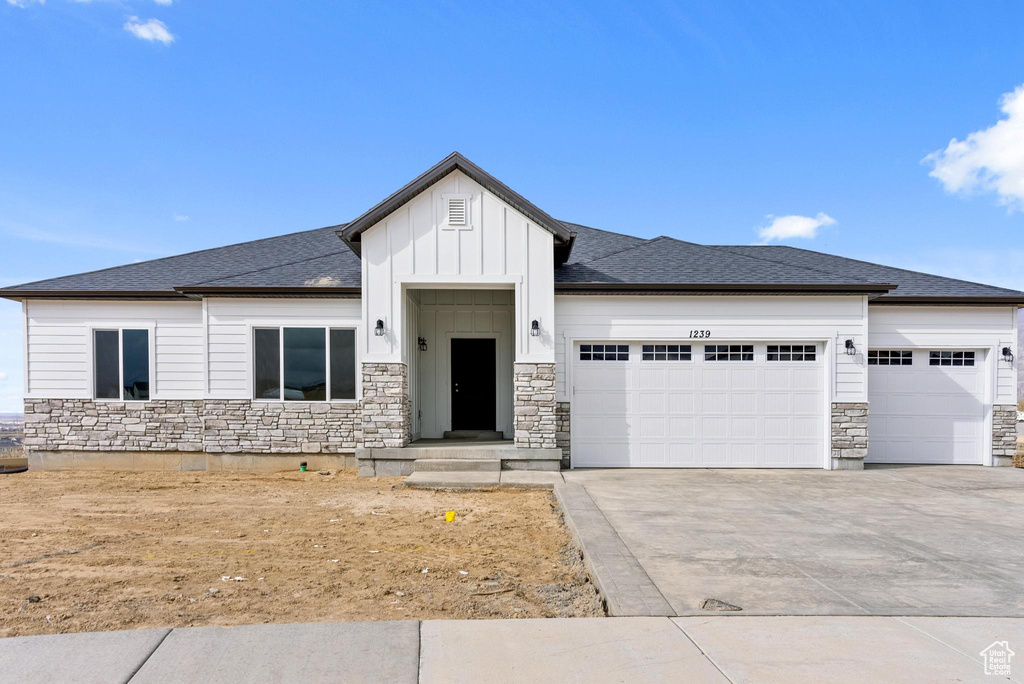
(640, 649)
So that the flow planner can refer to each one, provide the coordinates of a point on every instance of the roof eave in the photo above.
(207, 290)
(20, 294)
(852, 288)
(1001, 300)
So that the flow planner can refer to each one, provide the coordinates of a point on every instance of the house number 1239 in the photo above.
(700, 334)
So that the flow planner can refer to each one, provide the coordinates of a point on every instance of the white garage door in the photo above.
(696, 405)
(926, 406)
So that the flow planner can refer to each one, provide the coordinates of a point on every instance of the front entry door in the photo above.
(473, 388)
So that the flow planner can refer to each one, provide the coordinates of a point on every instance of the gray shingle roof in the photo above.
(666, 261)
(594, 243)
(912, 284)
(282, 261)
(316, 260)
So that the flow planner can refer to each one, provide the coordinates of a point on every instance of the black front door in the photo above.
(473, 390)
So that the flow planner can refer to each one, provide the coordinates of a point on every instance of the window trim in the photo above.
(93, 328)
(327, 328)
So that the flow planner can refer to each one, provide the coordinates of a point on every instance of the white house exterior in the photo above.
(456, 305)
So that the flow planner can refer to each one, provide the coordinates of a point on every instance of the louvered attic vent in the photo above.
(457, 210)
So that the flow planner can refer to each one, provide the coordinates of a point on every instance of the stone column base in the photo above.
(386, 414)
(536, 424)
(849, 435)
(1004, 434)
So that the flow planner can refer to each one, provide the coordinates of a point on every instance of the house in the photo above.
(456, 307)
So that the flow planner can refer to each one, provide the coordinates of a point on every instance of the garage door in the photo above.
(658, 405)
(926, 406)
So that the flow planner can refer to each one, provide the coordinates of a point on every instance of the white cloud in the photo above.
(152, 30)
(989, 160)
(3, 376)
(179, 217)
(163, 2)
(785, 227)
(25, 3)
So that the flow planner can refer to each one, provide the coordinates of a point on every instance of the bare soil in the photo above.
(112, 550)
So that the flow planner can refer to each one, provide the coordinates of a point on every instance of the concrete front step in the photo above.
(392, 461)
(502, 479)
(456, 465)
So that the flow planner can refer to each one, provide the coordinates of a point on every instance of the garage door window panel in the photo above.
(729, 352)
(666, 352)
(890, 357)
(604, 352)
(950, 358)
(791, 352)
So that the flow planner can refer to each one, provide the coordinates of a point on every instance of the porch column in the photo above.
(386, 411)
(536, 422)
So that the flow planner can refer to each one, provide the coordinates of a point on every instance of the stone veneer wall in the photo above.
(562, 431)
(211, 426)
(234, 426)
(386, 409)
(87, 425)
(849, 435)
(533, 404)
(1004, 434)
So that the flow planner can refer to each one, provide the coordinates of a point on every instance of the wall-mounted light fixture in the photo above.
(850, 349)
(379, 329)
(1007, 354)
(535, 328)
(423, 343)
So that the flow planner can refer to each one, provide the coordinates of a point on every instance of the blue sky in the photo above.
(137, 129)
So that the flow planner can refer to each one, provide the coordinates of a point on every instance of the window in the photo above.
(121, 364)
(294, 364)
(889, 357)
(791, 352)
(729, 352)
(951, 358)
(666, 352)
(604, 352)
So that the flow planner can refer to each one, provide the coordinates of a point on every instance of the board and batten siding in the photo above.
(414, 248)
(833, 319)
(952, 327)
(229, 338)
(58, 345)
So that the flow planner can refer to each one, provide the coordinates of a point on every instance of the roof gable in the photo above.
(351, 233)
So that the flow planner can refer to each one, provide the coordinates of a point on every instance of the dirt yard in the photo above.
(105, 550)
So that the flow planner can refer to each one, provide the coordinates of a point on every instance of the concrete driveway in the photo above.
(915, 540)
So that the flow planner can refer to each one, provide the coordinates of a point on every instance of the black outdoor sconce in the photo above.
(850, 349)
(423, 343)
(1007, 354)
(535, 328)
(379, 330)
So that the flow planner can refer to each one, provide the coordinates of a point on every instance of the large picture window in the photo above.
(304, 364)
(121, 364)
